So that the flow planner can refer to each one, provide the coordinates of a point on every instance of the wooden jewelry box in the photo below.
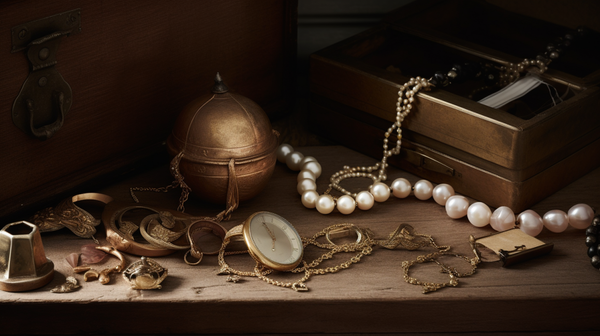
(130, 68)
(513, 156)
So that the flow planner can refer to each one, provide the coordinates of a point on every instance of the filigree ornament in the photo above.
(128, 228)
(158, 231)
(67, 214)
(145, 274)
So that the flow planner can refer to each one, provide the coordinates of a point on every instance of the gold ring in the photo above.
(344, 231)
(145, 274)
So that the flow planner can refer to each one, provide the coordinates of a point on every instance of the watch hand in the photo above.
(270, 234)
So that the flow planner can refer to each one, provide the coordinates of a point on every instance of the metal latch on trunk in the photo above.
(45, 97)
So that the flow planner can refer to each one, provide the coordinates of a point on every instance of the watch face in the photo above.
(273, 241)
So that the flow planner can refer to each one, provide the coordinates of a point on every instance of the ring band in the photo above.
(343, 232)
(196, 231)
(114, 212)
(149, 225)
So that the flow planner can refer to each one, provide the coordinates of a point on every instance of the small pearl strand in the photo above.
(378, 191)
(579, 216)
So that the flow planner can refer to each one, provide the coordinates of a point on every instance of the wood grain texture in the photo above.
(555, 293)
(132, 69)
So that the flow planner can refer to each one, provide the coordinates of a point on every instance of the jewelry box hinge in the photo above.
(425, 162)
(45, 97)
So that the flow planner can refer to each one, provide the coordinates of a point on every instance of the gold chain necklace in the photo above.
(404, 237)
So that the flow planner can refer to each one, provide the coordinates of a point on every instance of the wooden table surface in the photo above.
(558, 292)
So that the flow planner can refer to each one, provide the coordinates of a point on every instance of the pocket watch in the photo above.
(272, 241)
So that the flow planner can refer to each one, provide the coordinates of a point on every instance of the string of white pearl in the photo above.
(479, 214)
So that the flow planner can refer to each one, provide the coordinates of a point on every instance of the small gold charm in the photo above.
(299, 287)
(90, 275)
(69, 286)
(233, 278)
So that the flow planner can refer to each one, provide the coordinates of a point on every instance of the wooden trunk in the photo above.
(132, 68)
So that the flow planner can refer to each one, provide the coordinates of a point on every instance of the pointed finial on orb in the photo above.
(219, 86)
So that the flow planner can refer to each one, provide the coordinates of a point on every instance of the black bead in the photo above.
(550, 47)
(566, 43)
(590, 241)
(596, 221)
(541, 58)
(569, 36)
(596, 261)
(440, 78)
(591, 231)
(458, 69)
(582, 31)
(592, 251)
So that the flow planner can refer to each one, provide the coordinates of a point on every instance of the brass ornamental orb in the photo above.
(224, 137)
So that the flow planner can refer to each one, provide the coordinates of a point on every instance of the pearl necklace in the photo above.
(479, 214)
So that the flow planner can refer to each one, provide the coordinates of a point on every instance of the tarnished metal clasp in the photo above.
(45, 97)
(517, 248)
(299, 287)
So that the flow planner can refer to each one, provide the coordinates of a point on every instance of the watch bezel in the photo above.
(254, 251)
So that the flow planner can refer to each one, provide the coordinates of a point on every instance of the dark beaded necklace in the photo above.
(500, 76)
(592, 241)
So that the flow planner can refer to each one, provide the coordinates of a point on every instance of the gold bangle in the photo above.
(160, 236)
(112, 213)
(197, 230)
(67, 214)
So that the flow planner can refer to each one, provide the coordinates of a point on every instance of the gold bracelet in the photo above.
(124, 242)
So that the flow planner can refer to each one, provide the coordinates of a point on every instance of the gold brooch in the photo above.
(145, 274)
